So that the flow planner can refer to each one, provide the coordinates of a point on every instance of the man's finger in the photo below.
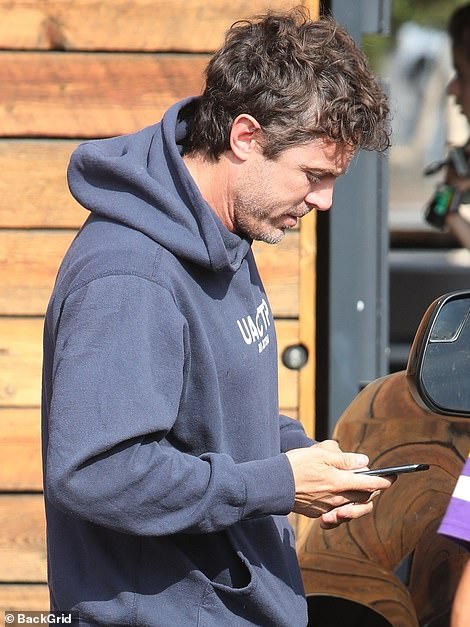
(345, 513)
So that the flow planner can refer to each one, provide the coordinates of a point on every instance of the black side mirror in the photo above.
(438, 369)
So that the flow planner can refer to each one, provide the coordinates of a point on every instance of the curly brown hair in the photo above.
(300, 79)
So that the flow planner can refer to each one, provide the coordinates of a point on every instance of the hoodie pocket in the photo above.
(273, 595)
(214, 556)
(230, 606)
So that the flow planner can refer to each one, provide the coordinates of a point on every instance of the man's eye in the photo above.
(313, 178)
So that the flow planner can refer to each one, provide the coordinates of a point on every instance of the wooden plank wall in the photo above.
(71, 70)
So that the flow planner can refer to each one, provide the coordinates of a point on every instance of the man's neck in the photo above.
(213, 181)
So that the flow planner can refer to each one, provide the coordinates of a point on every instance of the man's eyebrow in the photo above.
(323, 171)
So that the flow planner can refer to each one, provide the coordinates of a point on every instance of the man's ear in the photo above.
(243, 136)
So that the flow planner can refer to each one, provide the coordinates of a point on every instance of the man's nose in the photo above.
(321, 199)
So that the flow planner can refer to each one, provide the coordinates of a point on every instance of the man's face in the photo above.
(273, 194)
(459, 86)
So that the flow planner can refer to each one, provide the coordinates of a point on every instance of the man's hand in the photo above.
(462, 183)
(327, 487)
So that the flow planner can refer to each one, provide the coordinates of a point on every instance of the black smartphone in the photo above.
(394, 470)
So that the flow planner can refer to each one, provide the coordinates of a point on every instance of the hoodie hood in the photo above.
(140, 180)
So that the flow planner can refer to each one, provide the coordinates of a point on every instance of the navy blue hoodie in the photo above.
(166, 486)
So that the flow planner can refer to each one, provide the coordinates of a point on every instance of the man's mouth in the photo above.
(297, 216)
(290, 220)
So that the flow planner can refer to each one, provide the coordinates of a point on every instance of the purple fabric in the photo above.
(456, 521)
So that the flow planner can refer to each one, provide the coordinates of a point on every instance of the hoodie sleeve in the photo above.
(118, 376)
(293, 434)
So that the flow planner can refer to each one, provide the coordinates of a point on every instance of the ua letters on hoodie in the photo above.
(166, 486)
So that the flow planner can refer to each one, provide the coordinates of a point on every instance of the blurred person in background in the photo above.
(444, 209)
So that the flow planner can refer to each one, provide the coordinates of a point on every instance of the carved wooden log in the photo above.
(357, 561)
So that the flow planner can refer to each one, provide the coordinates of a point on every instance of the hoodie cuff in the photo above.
(270, 488)
(296, 439)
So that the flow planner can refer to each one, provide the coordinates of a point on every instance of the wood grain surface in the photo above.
(91, 95)
(385, 422)
(20, 461)
(22, 538)
(144, 25)
(24, 597)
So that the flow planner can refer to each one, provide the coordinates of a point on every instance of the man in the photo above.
(457, 186)
(456, 525)
(168, 469)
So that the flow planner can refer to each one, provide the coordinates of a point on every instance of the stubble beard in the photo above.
(252, 221)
